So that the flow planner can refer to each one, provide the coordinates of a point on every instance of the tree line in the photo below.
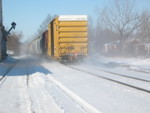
(119, 23)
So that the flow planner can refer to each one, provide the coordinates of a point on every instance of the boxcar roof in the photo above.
(72, 18)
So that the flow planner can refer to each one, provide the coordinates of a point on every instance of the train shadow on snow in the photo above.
(23, 67)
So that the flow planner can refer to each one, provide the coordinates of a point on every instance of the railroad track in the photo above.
(115, 80)
(147, 71)
(27, 76)
(122, 75)
(78, 101)
(4, 75)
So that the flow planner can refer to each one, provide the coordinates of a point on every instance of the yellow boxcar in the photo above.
(68, 37)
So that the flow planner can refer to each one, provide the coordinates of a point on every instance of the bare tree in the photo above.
(13, 42)
(144, 29)
(91, 35)
(121, 18)
(44, 25)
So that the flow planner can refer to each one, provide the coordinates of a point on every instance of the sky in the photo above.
(29, 14)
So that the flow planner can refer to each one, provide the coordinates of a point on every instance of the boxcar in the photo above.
(36, 46)
(67, 37)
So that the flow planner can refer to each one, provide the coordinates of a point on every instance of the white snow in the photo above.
(45, 86)
(89, 108)
(102, 94)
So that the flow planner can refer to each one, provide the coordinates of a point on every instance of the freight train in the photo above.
(65, 40)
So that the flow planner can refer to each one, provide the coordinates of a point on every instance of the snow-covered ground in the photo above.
(136, 64)
(46, 86)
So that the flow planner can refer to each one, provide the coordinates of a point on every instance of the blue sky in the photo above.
(29, 14)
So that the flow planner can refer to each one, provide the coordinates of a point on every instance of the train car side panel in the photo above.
(44, 42)
(49, 42)
(56, 39)
(68, 37)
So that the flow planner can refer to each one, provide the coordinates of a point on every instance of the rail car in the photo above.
(36, 46)
(65, 40)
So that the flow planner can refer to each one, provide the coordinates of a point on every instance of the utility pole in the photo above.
(3, 35)
(1, 32)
